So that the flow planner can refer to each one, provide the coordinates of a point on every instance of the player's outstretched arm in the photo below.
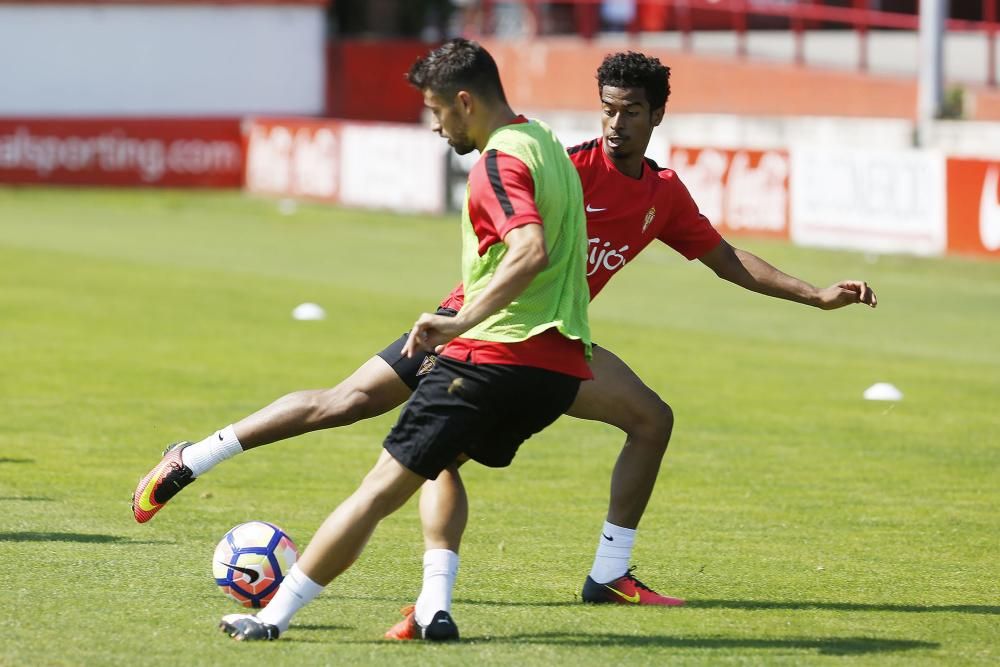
(751, 272)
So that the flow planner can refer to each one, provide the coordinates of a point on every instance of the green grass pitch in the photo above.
(803, 524)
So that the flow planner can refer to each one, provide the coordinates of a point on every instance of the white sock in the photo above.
(440, 570)
(613, 553)
(295, 592)
(216, 448)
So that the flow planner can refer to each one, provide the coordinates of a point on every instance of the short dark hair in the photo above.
(636, 70)
(458, 64)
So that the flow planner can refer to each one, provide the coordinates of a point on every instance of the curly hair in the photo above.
(458, 64)
(636, 70)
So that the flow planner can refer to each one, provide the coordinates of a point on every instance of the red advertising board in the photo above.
(121, 151)
(739, 191)
(973, 206)
(294, 157)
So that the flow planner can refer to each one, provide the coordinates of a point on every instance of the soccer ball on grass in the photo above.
(251, 561)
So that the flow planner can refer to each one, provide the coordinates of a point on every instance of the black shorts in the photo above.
(483, 410)
(411, 369)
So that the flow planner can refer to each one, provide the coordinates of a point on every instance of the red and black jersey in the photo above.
(625, 214)
(501, 196)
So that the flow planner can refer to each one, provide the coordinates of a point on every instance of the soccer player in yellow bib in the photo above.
(509, 362)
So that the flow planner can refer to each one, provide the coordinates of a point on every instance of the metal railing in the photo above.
(583, 17)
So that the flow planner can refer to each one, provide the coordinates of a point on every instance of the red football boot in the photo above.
(161, 483)
(441, 629)
(626, 589)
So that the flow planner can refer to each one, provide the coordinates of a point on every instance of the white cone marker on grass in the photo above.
(883, 391)
(309, 311)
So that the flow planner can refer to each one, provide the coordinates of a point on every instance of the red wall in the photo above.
(367, 80)
(559, 74)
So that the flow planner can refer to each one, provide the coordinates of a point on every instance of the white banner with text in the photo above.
(872, 201)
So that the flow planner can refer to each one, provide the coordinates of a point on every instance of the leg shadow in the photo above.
(90, 538)
(822, 645)
(842, 606)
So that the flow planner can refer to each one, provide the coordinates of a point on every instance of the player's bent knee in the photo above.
(380, 497)
(653, 424)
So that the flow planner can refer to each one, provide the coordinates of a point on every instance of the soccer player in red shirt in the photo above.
(629, 203)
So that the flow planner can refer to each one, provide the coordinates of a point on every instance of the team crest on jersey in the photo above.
(650, 215)
(427, 365)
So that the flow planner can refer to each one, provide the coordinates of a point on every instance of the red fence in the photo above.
(685, 16)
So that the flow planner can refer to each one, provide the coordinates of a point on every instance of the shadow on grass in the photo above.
(639, 643)
(8, 459)
(751, 605)
(765, 604)
(311, 637)
(316, 626)
(842, 606)
(90, 538)
(822, 645)
(28, 499)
